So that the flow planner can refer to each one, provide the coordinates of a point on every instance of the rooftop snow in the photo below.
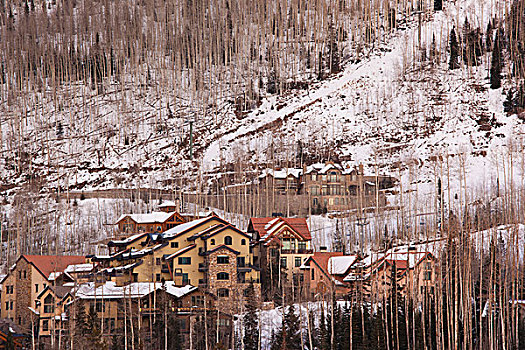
(109, 290)
(338, 265)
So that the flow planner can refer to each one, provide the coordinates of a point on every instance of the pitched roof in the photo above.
(149, 218)
(322, 260)
(266, 226)
(110, 290)
(180, 251)
(180, 229)
(58, 291)
(48, 264)
(339, 265)
(222, 246)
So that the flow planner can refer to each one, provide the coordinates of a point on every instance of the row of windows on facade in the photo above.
(332, 177)
(327, 190)
(331, 201)
(227, 241)
(297, 262)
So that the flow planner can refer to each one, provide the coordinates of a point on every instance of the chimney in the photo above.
(361, 171)
(178, 209)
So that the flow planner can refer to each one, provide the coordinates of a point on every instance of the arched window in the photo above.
(228, 240)
(223, 292)
(212, 241)
(223, 276)
(243, 241)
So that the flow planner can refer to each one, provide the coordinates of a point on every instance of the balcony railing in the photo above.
(297, 251)
(203, 267)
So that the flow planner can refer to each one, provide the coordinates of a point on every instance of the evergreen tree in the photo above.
(292, 333)
(454, 50)
(488, 37)
(496, 63)
(10, 342)
(438, 5)
(251, 322)
(333, 51)
(272, 85)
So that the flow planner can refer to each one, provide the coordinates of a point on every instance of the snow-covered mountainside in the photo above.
(399, 108)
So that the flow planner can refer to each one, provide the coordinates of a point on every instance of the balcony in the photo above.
(203, 267)
(203, 283)
(297, 251)
(165, 269)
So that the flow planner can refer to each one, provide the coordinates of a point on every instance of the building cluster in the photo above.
(323, 187)
(190, 266)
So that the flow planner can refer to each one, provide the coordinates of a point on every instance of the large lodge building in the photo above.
(191, 265)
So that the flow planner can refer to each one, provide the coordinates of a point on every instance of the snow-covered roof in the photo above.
(79, 268)
(54, 275)
(282, 173)
(180, 251)
(339, 265)
(154, 217)
(109, 290)
(129, 239)
(167, 204)
(173, 232)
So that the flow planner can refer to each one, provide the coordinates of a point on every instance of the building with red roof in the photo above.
(325, 272)
(30, 275)
(280, 246)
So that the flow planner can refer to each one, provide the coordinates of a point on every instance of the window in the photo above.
(157, 277)
(197, 300)
(157, 261)
(185, 279)
(228, 240)
(221, 259)
(224, 322)
(273, 252)
(315, 202)
(135, 277)
(313, 274)
(212, 242)
(25, 274)
(223, 292)
(243, 241)
(297, 262)
(7, 305)
(184, 261)
(333, 176)
(174, 244)
(241, 277)
(314, 177)
(223, 276)
(19, 275)
(36, 288)
(302, 245)
(241, 261)
(45, 325)
(428, 275)
(100, 306)
(283, 262)
(49, 304)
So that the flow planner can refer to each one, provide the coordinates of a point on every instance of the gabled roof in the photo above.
(282, 174)
(182, 228)
(110, 290)
(58, 291)
(149, 218)
(267, 227)
(180, 251)
(339, 265)
(128, 240)
(222, 246)
(48, 264)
